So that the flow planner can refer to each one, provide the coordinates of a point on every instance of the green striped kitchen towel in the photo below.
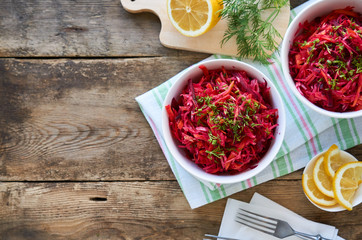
(307, 134)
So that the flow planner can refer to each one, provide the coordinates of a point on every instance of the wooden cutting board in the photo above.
(208, 42)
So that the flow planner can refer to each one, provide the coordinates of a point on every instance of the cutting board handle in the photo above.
(137, 6)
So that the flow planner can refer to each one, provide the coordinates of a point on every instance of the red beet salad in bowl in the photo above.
(223, 121)
(322, 57)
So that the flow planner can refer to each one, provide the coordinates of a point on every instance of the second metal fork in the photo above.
(272, 226)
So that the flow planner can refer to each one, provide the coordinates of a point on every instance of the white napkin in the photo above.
(262, 205)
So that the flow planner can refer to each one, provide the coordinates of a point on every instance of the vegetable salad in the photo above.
(325, 61)
(224, 121)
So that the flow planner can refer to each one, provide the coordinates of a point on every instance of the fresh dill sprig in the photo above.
(255, 36)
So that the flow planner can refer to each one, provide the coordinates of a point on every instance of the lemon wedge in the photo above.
(194, 17)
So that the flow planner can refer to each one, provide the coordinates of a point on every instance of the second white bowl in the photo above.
(317, 9)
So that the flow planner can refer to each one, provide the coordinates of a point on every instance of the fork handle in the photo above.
(219, 237)
(309, 236)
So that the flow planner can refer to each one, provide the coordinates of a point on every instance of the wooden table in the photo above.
(77, 158)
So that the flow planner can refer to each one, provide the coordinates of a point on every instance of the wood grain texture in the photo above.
(77, 158)
(136, 210)
(78, 119)
(77, 29)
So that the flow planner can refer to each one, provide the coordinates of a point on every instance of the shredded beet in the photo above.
(224, 121)
(325, 61)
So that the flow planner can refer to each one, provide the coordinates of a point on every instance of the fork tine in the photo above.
(270, 218)
(255, 228)
(256, 221)
(248, 217)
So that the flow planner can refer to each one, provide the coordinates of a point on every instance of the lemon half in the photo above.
(194, 17)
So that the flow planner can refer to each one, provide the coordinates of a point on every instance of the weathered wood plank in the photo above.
(78, 120)
(136, 210)
(69, 28)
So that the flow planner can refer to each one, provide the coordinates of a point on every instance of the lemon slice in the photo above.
(346, 182)
(321, 179)
(193, 17)
(313, 193)
(332, 160)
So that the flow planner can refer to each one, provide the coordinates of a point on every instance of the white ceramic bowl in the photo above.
(195, 73)
(316, 9)
(337, 208)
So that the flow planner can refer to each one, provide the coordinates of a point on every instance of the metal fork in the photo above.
(275, 227)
